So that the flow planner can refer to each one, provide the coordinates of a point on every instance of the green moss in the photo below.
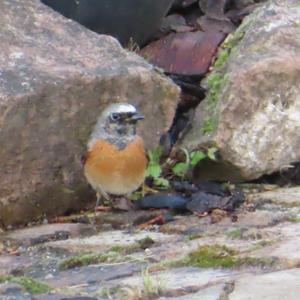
(293, 218)
(29, 284)
(211, 257)
(117, 253)
(216, 81)
(138, 245)
(89, 258)
(256, 261)
(125, 249)
(215, 256)
(222, 58)
(262, 244)
(208, 126)
(145, 242)
(234, 233)
(230, 43)
(192, 236)
(233, 39)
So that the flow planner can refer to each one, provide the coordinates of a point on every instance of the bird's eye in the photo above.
(114, 117)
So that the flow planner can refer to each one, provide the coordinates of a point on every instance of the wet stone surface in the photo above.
(189, 258)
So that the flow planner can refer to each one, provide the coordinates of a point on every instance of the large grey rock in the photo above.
(55, 78)
(210, 293)
(287, 249)
(252, 111)
(289, 197)
(182, 279)
(273, 286)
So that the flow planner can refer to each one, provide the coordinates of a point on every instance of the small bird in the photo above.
(115, 161)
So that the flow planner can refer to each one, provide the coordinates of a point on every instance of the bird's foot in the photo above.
(122, 203)
(104, 208)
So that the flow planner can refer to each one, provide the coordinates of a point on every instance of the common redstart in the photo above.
(115, 161)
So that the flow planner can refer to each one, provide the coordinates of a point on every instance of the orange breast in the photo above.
(115, 171)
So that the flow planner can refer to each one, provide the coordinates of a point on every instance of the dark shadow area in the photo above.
(125, 20)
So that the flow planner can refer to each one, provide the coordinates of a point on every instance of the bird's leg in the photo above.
(105, 201)
(98, 195)
(122, 203)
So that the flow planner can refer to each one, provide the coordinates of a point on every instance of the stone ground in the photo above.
(252, 254)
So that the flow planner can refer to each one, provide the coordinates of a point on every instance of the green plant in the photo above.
(151, 286)
(181, 169)
(211, 153)
(154, 169)
(132, 46)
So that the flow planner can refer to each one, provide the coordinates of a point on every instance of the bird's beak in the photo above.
(137, 117)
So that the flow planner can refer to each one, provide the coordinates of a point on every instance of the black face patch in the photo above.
(121, 117)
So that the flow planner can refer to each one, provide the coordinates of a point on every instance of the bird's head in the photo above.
(120, 114)
(117, 123)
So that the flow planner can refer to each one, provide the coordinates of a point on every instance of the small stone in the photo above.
(49, 276)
